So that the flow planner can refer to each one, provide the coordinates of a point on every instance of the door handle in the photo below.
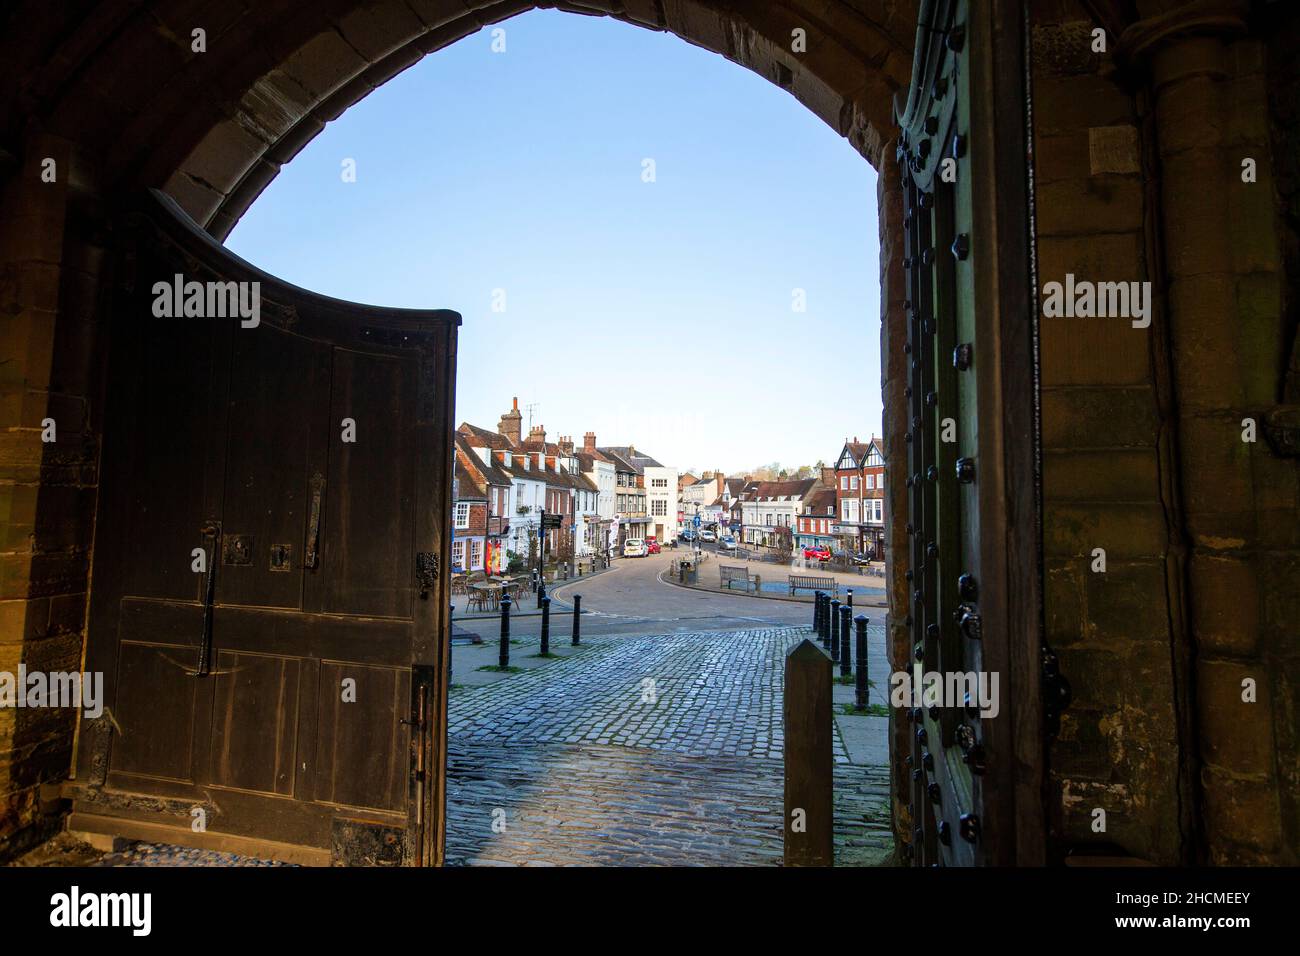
(210, 529)
(310, 556)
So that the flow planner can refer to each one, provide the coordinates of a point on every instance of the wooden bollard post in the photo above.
(809, 760)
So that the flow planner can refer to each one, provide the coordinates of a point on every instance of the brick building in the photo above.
(860, 498)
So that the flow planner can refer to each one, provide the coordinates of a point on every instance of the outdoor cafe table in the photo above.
(488, 595)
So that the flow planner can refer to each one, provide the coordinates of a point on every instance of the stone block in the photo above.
(1078, 417)
(1101, 475)
(1225, 602)
(1235, 735)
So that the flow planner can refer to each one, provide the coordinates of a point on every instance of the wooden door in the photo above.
(973, 521)
(269, 604)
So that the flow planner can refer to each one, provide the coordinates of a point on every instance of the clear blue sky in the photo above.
(652, 313)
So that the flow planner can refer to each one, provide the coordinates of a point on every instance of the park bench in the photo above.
(799, 582)
(729, 575)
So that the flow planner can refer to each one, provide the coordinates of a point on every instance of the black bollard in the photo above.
(546, 626)
(577, 617)
(824, 635)
(835, 631)
(846, 631)
(541, 591)
(860, 683)
(504, 657)
(817, 610)
(849, 598)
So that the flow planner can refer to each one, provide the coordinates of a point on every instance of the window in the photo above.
(476, 554)
(458, 554)
(853, 483)
(844, 482)
(876, 508)
(659, 508)
(462, 514)
(871, 482)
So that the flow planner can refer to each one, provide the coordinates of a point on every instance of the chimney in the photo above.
(511, 424)
(828, 476)
(722, 481)
(565, 445)
(537, 434)
(589, 442)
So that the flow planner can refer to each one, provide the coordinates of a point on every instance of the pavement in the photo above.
(657, 741)
(653, 749)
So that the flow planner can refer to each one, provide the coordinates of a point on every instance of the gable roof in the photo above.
(770, 490)
(485, 472)
(485, 437)
(818, 500)
(635, 460)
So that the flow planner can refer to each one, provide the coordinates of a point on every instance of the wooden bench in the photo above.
(729, 575)
(800, 582)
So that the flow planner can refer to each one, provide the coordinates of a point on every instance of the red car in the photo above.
(651, 545)
(817, 554)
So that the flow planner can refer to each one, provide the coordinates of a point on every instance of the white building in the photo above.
(771, 512)
(599, 470)
(662, 501)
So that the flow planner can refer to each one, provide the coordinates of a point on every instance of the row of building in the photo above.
(505, 482)
(603, 495)
(842, 508)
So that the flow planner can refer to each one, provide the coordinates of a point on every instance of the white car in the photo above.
(727, 542)
(707, 535)
(634, 548)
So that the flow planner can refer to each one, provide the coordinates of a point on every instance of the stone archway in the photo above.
(133, 97)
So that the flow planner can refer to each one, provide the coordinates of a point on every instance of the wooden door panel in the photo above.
(276, 421)
(358, 764)
(156, 707)
(255, 722)
(223, 682)
(174, 364)
(369, 521)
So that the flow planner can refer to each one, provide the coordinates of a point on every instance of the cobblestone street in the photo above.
(656, 749)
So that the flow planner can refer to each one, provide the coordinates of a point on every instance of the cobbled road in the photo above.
(660, 749)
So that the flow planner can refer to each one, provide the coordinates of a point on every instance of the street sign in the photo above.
(551, 520)
(696, 521)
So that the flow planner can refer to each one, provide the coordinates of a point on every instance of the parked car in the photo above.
(817, 554)
(651, 545)
(707, 535)
(727, 542)
(634, 548)
(689, 535)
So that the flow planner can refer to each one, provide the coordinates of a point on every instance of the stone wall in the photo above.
(1138, 163)
(49, 290)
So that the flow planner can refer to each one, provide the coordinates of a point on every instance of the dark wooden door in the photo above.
(269, 605)
(975, 615)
